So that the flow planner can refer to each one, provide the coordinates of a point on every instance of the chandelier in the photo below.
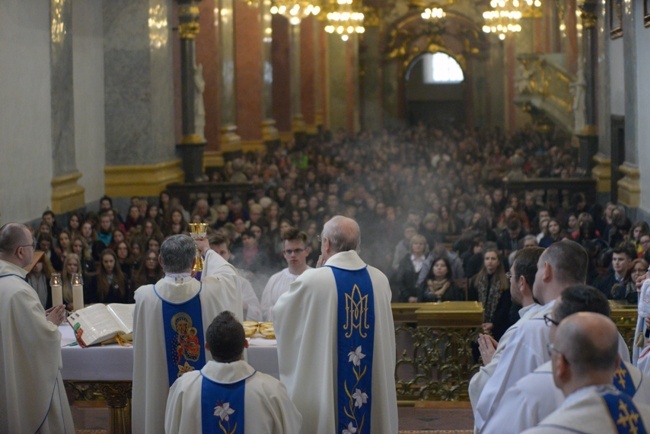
(433, 14)
(294, 10)
(344, 20)
(503, 18)
(530, 8)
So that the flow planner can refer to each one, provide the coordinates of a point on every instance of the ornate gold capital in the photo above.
(188, 30)
(589, 20)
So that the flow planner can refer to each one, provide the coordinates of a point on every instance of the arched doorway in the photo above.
(435, 90)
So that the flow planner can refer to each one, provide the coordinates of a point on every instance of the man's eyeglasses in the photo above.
(551, 349)
(548, 320)
(289, 252)
(33, 245)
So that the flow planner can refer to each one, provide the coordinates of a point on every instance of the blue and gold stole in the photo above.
(623, 380)
(183, 325)
(222, 406)
(355, 341)
(624, 414)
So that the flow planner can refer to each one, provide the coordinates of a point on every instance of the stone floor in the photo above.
(437, 417)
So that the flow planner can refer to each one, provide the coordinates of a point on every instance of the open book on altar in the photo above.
(103, 323)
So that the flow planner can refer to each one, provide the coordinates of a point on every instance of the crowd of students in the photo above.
(430, 202)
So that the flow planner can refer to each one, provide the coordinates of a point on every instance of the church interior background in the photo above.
(99, 96)
(122, 97)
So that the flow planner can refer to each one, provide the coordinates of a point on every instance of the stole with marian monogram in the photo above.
(355, 342)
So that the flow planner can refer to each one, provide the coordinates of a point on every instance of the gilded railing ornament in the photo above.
(545, 88)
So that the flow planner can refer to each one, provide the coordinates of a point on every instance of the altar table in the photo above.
(105, 372)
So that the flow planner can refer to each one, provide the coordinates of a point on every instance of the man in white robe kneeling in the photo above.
(228, 393)
(170, 321)
(336, 340)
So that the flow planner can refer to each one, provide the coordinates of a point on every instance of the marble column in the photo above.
(281, 83)
(230, 141)
(248, 73)
(297, 119)
(308, 65)
(270, 135)
(192, 142)
(67, 195)
(602, 170)
(589, 51)
(629, 188)
(371, 79)
(139, 97)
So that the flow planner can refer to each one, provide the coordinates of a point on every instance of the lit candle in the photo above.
(57, 291)
(77, 291)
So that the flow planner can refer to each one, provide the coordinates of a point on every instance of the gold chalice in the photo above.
(198, 230)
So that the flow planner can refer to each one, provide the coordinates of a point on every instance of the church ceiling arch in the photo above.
(457, 35)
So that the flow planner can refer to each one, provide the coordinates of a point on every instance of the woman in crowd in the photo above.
(74, 224)
(150, 271)
(44, 242)
(154, 214)
(81, 249)
(154, 243)
(553, 233)
(639, 229)
(123, 252)
(439, 285)
(405, 281)
(136, 253)
(109, 285)
(39, 279)
(71, 266)
(626, 290)
(492, 288)
(133, 219)
(64, 244)
(176, 223)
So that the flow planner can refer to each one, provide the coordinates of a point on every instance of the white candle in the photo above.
(57, 295)
(78, 297)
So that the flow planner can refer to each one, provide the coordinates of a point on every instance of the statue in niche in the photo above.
(523, 76)
(199, 106)
(578, 90)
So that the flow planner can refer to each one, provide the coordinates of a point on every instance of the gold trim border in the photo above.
(213, 159)
(67, 195)
(286, 136)
(629, 187)
(602, 173)
(141, 180)
(253, 146)
(229, 141)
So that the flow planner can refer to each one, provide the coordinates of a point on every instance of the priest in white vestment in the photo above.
(32, 396)
(166, 347)
(295, 251)
(250, 302)
(561, 265)
(265, 409)
(309, 331)
(535, 396)
(521, 276)
(584, 359)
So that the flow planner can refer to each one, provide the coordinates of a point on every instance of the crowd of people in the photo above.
(431, 204)
(437, 224)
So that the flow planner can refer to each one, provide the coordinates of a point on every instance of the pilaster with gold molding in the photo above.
(629, 187)
(602, 173)
(67, 195)
(141, 180)
(270, 135)
(139, 107)
(229, 140)
(589, 53)
(193, 142)
(298, 126)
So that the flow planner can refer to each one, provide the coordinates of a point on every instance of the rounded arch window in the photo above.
(441, 68)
